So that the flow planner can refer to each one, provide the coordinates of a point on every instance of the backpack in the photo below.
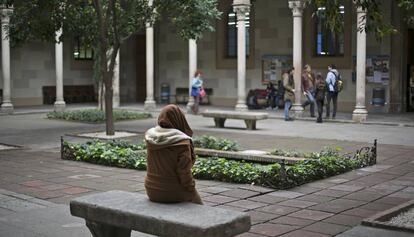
(321, 85)
(339, 84)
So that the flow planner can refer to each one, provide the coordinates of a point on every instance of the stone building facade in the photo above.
(271, 34)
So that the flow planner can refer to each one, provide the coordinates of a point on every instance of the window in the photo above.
(82, 51)
(328, 43)
(226, 37)
(231, 49)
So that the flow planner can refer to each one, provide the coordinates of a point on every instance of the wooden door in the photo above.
(141, 82)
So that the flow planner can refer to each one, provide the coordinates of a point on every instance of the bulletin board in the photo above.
(377, 69)
(273, 66)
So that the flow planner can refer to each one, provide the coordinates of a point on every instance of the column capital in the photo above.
(360, 10)
(241, 7)
(5, 14)
(297, 7)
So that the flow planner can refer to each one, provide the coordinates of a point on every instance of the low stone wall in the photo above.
(236, 155)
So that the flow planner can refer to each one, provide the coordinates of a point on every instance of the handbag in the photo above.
(202, 92)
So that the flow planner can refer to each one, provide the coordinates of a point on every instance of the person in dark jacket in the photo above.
(289, 96)
(170, 157)
(320, 86)
(272, 99)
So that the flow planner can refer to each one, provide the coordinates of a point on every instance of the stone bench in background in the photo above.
(116, 213)
(249, 118)
(71, 94)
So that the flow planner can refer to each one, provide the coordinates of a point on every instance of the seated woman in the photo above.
(170, 156)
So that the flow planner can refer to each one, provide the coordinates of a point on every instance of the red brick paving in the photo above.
(272, 229)
(303, 233)
(317, 209)
(75, 190)
(326, 228)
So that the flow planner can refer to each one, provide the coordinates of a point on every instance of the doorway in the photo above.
(141, 69)
(410, 70)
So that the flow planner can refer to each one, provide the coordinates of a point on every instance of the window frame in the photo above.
(309, 40)
(78, 44)
(336, 39)
(227, 47)
(222, 61)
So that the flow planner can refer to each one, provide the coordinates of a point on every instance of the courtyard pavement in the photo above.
(36, 185)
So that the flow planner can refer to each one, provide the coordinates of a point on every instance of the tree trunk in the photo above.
(108, 104)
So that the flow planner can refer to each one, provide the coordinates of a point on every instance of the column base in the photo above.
(359, 115)
(149, 105)
(241, 107)
(189, 106)
(59, 106)
(7, 107)
(115, 103)
(297, 110)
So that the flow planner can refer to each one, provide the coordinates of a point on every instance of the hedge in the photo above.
(96, 115)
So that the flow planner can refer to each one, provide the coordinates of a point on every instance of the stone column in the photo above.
(192, 67)
(60, 102)
(149, 100)
(6, 105)
(115, 82)
(360, 113)
(241, 7)
(297, 11)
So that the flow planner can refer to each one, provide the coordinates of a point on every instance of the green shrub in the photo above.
(227, 170)
(96, 115)
(216, 143)
(117, 153)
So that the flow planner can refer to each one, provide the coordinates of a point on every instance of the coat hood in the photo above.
(164, 136)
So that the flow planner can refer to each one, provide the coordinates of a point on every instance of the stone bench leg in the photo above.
(219, 122)
(251, 124)
(104, 230)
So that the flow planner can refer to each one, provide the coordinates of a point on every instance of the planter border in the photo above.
(379, 219)
(237, 155)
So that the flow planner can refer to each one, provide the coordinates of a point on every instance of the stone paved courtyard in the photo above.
(36, 185)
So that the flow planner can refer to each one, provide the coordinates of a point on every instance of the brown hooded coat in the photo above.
(170, 157)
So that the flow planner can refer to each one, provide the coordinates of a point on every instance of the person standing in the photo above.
(170, 157)
(320, 87)
(332, 93)
(308, 82)
(271, 96)
(196, 84)
(289, 96)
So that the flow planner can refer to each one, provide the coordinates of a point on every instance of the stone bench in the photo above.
(116, 213)
(71, 94)
(249, 118)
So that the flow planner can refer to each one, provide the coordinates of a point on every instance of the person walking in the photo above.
(320, 87)
(271, 96)
(289, 96)
(308, 82)
(196, 85)
(170, 157)
(332, 93)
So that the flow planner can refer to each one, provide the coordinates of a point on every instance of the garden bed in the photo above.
(280, 174)
(96, 115)
(397, 218)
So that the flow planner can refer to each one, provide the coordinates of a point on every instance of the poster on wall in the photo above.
(273, 66)
(376, 69)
